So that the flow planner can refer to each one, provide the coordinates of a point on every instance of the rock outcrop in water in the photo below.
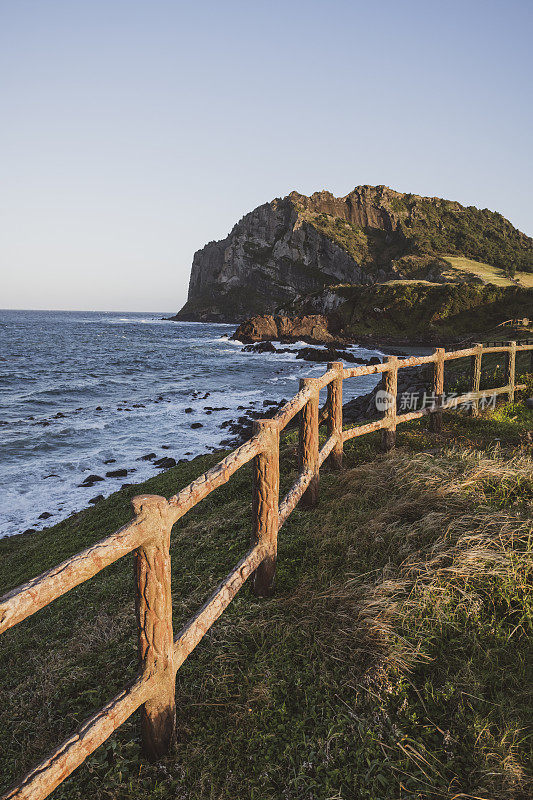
(298, 245)
(312, 328)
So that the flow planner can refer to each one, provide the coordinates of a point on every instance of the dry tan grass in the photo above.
(434, 517)
(436, 512)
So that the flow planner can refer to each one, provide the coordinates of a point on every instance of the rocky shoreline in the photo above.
(323, 347)
(329, 353)
(413, 382)
(233, 431)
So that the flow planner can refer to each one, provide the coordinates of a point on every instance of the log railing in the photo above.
(161, 653)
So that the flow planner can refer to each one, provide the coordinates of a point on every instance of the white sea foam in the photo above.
(227, 340)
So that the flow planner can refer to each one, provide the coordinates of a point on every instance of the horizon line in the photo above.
(88, 310)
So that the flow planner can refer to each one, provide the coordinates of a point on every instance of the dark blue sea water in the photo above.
(79, 388)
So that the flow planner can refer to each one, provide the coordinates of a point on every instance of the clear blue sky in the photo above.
(135, 131)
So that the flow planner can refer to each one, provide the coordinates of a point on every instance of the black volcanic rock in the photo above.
(91, 479)
(165, 463)
(260, 347)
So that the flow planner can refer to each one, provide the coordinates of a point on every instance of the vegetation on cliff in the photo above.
(392, 661)
(424, 227)
(419, 311)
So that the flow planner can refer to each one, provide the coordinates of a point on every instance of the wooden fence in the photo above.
(148, 536)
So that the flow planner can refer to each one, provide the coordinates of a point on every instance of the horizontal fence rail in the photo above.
(148, 537)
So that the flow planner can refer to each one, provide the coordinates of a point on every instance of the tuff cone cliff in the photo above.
(298, 246)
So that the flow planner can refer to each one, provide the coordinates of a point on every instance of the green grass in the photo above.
(392, 661)
(489, 273)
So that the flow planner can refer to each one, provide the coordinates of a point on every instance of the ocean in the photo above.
(85, 393)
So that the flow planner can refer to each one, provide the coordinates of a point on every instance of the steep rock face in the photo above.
(365, 207)
(299, 245)
(270, 257)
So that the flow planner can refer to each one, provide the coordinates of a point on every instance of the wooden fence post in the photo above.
(511, 370)
(435, 420)
(154, 623)
(265, 505)
(334, 421)
(476, 376)
(390, 385)
(308, 450)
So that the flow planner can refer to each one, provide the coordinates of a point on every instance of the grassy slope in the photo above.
(488, 273)
(392, 661)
